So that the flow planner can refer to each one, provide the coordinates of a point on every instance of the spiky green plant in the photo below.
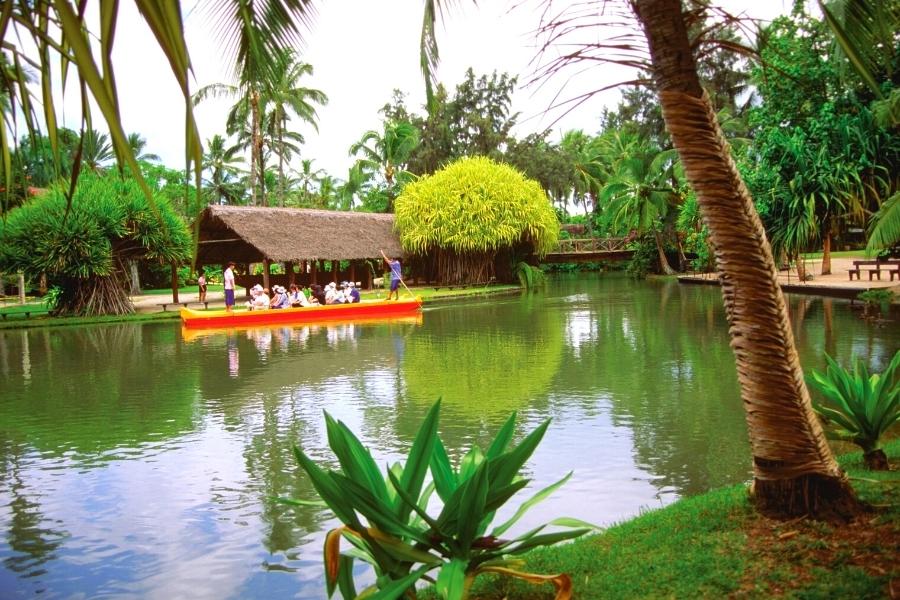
(877, 298)
(385, 517)
(466, 213)
(861, 407)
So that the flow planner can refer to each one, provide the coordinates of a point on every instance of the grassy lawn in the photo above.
(860, 254)
(45, 320)
(715, 545)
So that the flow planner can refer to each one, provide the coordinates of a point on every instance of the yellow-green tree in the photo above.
(469, 215)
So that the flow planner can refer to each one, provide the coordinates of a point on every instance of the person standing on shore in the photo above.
(396, 277)
(228, 278)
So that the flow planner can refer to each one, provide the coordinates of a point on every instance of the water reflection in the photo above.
(140, 461)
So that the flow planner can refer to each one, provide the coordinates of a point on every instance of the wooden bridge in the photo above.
(589, 250)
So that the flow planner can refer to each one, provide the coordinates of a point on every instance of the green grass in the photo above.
(45, 320)
(715, 545)
(860, 254)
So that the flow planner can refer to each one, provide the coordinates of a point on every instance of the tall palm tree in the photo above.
(795, 471)
(639, 194)
(306, 177)
(357, 180)
(137, 143)
(591, 169)
(284, 95)
(96, 150)
(221, 165)
(387, 152)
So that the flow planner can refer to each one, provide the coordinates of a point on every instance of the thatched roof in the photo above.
(248, 234)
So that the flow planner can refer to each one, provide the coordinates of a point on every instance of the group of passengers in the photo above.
(295, 296)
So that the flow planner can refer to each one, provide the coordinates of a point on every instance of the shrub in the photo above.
(386, 521)
(859, 406)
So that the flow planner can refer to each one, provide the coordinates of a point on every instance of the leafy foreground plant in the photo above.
(862, 407)
(386, 523)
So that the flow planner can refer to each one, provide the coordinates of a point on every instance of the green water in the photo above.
(137, 463)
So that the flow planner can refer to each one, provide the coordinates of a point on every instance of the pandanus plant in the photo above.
(859, 406)
(387, 524)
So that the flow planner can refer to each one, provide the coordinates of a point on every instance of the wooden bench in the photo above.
(875, 267)
(166, 305)
(26, 313)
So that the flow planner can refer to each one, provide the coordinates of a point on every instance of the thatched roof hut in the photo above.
(247, 234)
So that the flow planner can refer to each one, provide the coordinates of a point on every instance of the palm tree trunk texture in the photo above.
(254, 144)
(826, 249)
(794, 469)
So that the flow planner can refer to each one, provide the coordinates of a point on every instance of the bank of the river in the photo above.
(148, 306)
(714, 545)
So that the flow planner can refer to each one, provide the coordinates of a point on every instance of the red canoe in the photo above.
(368, 310)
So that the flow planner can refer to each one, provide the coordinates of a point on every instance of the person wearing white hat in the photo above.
(330, 293)
(280, 298)
(352, 293)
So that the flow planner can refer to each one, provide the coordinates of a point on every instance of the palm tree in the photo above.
(285, 95)
(591, 170)
(96, 150)
(137, 144)
(306, 177)
(638, 194)
(387, 152)
(357, 180)
(794, 469)
(328, 190)
(221, 165)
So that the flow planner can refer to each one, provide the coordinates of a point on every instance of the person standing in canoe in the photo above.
(201, 285)
(396, 277)
(228, 278)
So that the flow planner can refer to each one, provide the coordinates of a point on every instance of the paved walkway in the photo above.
(839, 279)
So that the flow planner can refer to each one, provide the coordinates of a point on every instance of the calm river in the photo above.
(135, 462)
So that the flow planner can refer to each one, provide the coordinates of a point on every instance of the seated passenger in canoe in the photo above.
(297, 297)
(352, 293)
(280, 298)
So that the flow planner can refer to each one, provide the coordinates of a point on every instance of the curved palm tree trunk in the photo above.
(663, 261)
(826, 247)
(794, 470)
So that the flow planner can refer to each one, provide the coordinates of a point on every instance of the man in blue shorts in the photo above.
(394, 264)
(228, 278)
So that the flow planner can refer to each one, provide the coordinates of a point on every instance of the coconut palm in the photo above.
(221, 166)
(137, 143)
(357, 180)
(591, 168)
(306, 177)
(794, 469)
(387, 152)
(284, 95)
(96, 150)
(639, 195)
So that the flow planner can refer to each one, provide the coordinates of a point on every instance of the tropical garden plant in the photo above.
(466, 213)
(84, 248)
(387, 522)
(860, 407)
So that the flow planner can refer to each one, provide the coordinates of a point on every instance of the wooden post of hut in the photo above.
(353, 270)
(334, 270)
(369, 279)
(174, 282)
(266, 264)
(314, 271)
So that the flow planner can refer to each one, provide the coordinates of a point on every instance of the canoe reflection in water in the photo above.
(267, 343)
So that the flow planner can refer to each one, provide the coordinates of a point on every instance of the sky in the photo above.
(361, 50)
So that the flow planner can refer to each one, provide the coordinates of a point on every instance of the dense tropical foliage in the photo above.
(84, 249)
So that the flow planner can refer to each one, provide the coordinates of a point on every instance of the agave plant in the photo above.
(387, 524)
(862, 407)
